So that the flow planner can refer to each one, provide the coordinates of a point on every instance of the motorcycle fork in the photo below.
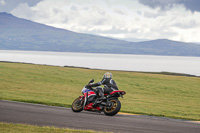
(81, 100)
(86, 99)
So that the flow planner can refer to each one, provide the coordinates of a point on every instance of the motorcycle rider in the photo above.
(109, 86)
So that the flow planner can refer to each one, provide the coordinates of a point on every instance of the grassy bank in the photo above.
(22, 128)
(151, 94)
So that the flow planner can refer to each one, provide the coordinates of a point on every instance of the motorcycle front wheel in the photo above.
(77, 105)
(114, 109)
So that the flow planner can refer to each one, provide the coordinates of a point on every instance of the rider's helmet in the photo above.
(107, 75)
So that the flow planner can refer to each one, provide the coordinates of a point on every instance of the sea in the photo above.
(122, 62)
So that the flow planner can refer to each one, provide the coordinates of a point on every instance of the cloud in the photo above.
(116, 18)
(9, 5)
(163, 4)
(193, 5)
(2, 2)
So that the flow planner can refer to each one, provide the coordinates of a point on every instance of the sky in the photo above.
(134, 20)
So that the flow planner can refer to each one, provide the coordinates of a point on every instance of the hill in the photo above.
(22, 34)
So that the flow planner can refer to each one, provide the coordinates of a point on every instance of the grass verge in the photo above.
(23, 128)
(147, 93)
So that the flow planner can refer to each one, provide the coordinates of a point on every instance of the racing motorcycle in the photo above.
(110, 104)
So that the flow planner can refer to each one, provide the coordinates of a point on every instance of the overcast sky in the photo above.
(143, 19)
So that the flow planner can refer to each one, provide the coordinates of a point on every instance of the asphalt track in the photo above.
(41, 115)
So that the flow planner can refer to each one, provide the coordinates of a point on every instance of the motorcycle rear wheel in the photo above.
(114, 109)
(77, 105)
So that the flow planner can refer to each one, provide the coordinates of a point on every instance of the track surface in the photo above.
(42, 115)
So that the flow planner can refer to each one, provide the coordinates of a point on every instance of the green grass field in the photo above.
(147, 93)
(22, 128)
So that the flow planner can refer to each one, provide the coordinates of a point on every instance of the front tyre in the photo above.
(77, 105)
(114, 109)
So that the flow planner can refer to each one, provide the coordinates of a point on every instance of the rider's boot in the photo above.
(99, 100)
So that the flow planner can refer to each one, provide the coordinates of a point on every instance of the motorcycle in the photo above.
(110, 104)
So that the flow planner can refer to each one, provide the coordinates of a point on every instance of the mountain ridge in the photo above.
(21, 34)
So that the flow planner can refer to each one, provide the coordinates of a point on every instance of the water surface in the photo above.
(125, 62)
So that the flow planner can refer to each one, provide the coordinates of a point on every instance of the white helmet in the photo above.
(107, 75)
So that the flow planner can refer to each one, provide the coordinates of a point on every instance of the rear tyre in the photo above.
(114, 109)
(77, 105)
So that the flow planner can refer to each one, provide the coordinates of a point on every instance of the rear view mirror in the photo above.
(91, 81)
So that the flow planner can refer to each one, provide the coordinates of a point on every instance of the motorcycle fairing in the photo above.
(89, 107)
(87, 95)
(116, 91)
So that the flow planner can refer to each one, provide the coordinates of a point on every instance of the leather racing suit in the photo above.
(109, 86)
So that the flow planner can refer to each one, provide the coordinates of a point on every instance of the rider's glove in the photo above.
(89, 86)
